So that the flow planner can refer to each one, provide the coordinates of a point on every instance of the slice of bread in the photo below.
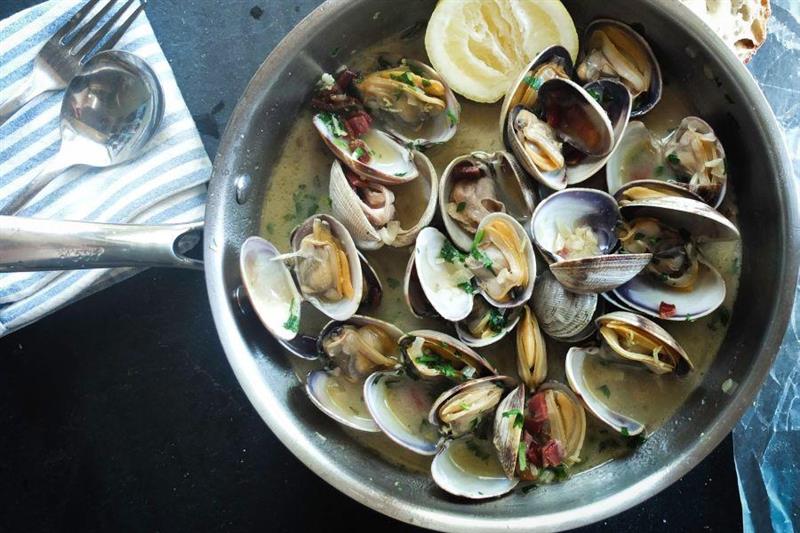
(742, 24)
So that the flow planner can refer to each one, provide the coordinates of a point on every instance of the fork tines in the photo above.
(72, 34)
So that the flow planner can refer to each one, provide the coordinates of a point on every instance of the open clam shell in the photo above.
(695, 153)
(347, 256)
(389, 162)
(615, 100)
(633, 338)
(499, 235)
(638, 156)
(648, 295)
(399, 405)
(414, 295)
(563, 315)
(353, 349)
(612, 49)
(403, 211)
(565, 424)
(704, 223)
(486, 324)
(575, 230)
(270, 288)
(437, 127)
(458, 470)
(446, 284)
(459, 410)
(574, 369)
(477, 184)
(432, 354)
(553, 61)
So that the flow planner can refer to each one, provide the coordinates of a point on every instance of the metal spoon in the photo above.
(111, 109)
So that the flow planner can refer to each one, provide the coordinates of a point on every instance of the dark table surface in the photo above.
(121, 413)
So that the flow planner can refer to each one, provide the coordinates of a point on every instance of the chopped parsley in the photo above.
(333, 124)
(624, 431)
(595, 93)
(659, 170)
(497, 320)
(399, 174)
(528, 488)
(393, 283)
(425, 82)
(270, 228)
(673, 158)
(560, 472)
(461, 206)
(452, 117)
(435, 362)
(450, 253)
(476, 450)
(293, 322)
(533, 82)
(519, 419)
(405, 77)
(521, 459)
(633, 442)
(329, 201)
(467, 287)
(478, 254)
(304, 205)
(335, 51)
(605, 390)
(359, 152)
(464, 405)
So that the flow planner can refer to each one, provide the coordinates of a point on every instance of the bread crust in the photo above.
(743, 27)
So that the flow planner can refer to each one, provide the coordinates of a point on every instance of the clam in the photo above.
(531, 350)
(563, 315)
(373, 154)
(431, 354)
(324, 254)
(459, 410)
(575, 231)
(378, 215)
(678, 284)
(632, 338)
(614, 50)
(635, 191)
(695, 155)
(500, 266)
(352, 350)
(327, 266)
(486, 324)
(638, 156)
(552, 62)
(466, 464)
(412, 101)
(478, 184)
(538, 439)
(574, 369)
(565, 126)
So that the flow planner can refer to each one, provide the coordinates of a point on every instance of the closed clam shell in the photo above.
(415, 204)
(346, 307)
(531, 350)
(649, 329)
(562, 314)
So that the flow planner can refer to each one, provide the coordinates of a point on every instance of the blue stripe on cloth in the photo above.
(166, 184)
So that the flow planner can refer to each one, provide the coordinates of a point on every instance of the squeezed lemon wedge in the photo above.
(480, 46)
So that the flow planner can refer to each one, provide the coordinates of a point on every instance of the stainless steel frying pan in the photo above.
(722, 90)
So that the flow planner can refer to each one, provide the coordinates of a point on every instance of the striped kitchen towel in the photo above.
(167, 183)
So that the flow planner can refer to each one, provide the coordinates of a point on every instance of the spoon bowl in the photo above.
(110, 111)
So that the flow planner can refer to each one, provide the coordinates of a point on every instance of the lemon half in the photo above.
(480, 46)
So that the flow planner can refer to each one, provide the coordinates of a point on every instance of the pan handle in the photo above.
(30, 244)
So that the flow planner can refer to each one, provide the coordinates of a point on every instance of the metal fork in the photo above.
(62, 56)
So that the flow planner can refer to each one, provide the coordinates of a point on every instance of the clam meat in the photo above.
(360, 350)
(695, 155)
(473, 195)
(675, 255)
(323, 268)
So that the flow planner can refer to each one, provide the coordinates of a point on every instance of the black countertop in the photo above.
(121, 413)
